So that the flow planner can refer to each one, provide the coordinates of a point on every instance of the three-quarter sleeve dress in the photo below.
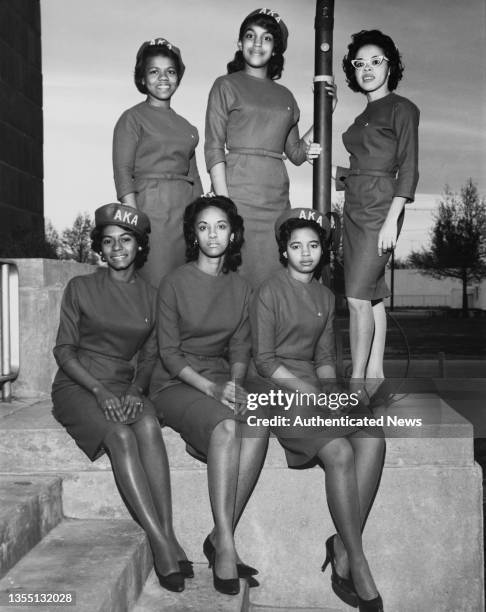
(203, 323)
(154, 157)
(250, 124)
(383, 147)
(104, 324)
(292, 326)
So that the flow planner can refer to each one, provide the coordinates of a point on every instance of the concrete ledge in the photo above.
(198, 596)
(103, 562)
(423, 538)
(31, 440)
(30, 508)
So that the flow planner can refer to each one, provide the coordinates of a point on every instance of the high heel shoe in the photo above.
(186, 568)
(370, 605)
(227, 586)
(342, 587)
(244, 570)
(172, 582)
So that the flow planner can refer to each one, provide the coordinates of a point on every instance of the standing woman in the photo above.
(383, 174)
(154, 159)
(107, 319)
(256, 120)
(293, 346)
(204, 343)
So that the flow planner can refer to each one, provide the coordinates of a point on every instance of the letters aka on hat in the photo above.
(274, 15)
(124, 216)
(307, 214)
(162, 42)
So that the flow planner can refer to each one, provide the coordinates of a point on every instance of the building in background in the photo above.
(21, 122)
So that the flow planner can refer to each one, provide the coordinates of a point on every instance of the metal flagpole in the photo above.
(324, 23)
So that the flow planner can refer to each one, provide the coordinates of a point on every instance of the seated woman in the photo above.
(107, 318)
(293, 343)
(204, 344)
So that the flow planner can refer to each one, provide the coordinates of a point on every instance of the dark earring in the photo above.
(103, 258)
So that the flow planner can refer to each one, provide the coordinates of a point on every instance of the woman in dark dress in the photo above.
(293, 346)
(107, 318)
(204, 343)
(251, 127)
(154, 159)
(383, 174)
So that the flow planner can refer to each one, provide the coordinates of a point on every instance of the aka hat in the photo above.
(162, 42)
(306, 214)
(124, 216)
(274, 15)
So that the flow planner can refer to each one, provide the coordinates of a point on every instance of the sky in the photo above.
(89, 50)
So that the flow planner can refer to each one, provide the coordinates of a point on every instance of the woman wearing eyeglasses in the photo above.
(382, 177)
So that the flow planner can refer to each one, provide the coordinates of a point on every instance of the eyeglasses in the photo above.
(376, 60)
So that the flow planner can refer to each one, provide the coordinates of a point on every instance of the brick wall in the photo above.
(21, 127)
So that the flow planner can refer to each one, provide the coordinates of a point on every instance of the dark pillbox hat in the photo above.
(162, 42)
(124, 216)
(277, 18)
(307, 214)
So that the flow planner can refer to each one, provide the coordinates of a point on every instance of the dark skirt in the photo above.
(299, 426)
(368, 200)
(259, 186)
(77, 410)
(193, 415)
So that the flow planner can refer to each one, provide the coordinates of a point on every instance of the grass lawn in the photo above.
(428, 334)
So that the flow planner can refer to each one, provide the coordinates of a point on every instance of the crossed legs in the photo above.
(141, 470)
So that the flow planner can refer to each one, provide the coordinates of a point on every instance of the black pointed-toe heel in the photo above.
(244, 571)
(208, 550)
(370, 605)
(342, 587)
(186, 568)
(172, 582)
(227, 586)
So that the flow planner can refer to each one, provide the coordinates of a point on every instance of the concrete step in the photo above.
(31, 507)
(198, 596)
(31, 440)
(295, 609)
(102, 563)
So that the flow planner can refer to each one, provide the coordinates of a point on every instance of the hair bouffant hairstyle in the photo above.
(276, 63)
(285, 233)
(232, 256)
(142, 241)
(377, 38)
(141, 63)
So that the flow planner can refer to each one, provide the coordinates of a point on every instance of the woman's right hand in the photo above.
(229, 393)
(110, 404)
(312, 151)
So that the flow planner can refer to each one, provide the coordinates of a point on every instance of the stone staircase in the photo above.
(64, 527)
(61, 533)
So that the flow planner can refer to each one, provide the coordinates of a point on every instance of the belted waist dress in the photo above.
(383, 147)
(250, 124)
(154, 157)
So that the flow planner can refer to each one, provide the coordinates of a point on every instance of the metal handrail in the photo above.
(10, 327)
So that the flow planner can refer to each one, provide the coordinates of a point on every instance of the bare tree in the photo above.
(458, 239)
(75, 242)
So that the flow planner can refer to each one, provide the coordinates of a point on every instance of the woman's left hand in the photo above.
(132, 402)
(331, 89)
(387, 237)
